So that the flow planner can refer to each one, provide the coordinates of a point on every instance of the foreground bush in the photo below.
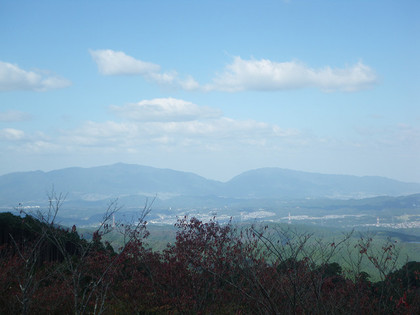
(210, 269)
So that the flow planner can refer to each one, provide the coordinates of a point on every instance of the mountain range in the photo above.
(128, 180)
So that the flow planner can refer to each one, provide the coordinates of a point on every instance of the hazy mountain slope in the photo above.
(132, 179)
(23, 186)
(283, 183)
(102, 182)
(125, 180)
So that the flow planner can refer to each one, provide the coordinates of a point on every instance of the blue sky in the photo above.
(211, 87)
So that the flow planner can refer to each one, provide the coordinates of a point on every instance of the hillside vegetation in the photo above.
(210, 268)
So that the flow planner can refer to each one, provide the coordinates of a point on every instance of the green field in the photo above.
(406, 245)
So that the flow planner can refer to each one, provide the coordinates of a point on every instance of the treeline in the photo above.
(210, 269)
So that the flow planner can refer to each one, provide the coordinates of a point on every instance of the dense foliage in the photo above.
(209, 269)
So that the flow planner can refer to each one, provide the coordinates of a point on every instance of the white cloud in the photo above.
(167, 78)
(392, 136)
(105, 134)
(189, 84)
(118, 63)
(165, 109)
(11, 134)
(28, 143)
(112, 62)
(14, 78)
(266, 75)
(243, 75)
(215, 134)
(169, 123)
(40, 146)
(14, 116)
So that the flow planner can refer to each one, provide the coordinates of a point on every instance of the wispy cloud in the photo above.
(175, 123)
(392, 136)
(11, 134)
(28, 142)
(14, 78)
(14, 116)
(218, 134)
(266, 75)
(165, 109)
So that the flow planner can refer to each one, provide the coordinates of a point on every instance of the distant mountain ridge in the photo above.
(269, 182)
(124, 180)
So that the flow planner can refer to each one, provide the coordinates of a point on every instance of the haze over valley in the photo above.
(268, 194)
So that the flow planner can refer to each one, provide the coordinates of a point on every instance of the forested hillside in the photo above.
(209, 269)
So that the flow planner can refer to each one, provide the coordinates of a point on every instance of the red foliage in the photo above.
(210, 269)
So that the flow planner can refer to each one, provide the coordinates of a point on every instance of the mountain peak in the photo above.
(122, 179)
